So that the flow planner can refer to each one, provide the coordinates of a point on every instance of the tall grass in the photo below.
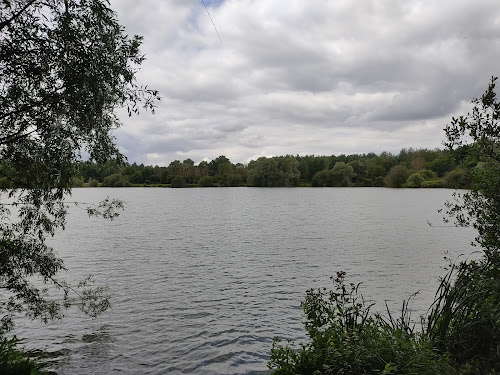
(464, 320)
(346, 339)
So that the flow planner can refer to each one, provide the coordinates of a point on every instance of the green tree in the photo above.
(178, 182)
(324, 178)
(397, 176)
(273, 172)
(441, 165)
(415, 180)
(64, 66)
(206, 181)
(359, 169)
(465, 318)
(213, 166)
(458, 179)
(342, 174)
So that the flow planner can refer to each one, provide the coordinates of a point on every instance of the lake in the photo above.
(203, 279)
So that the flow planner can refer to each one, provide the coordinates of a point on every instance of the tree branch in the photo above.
(17, 15)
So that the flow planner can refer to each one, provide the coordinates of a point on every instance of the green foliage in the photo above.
(178, 182)
(323, 178)
(439, 183)
(64, 66)
(397, 176)
(13, 361)
(465, 317)
(115, 180)
(458, 179)
(77, 182)
(427, 174)
(342, 173)
(367, 170)
(345, 339)
(462, 331)
(415, 181)
(93, 183)
(441, 165)
(206, 181)
(274, 172)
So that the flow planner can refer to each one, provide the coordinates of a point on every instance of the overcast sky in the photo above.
(304, 77)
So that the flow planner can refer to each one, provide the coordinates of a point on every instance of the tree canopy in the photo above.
(65, 67)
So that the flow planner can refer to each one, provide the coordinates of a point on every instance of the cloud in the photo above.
(315, 77)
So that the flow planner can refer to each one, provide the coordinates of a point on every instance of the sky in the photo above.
(321, 77)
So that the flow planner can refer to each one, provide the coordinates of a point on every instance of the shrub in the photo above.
(178, 182)
(346, 339)
(379, 181)
(323, 178)
(439, 183)
(206, 181)
(414, 181)
(77, 182)
(397, 176)
(13, 361)
(427, 174)
(93, 183)
(115, 180)
(457, 179)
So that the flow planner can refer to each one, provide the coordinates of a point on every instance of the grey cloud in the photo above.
(293, 76)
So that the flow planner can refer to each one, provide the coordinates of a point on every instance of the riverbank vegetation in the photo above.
(65, 66)
(412, 168)
(460, 334)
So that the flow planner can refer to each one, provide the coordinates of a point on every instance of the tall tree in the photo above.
(465, 319)
(65, 66)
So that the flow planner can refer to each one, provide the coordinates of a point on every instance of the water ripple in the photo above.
(203, 279)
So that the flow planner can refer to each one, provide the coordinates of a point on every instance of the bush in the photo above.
(433, 183)
(379, 181)
(115, 180)
(93, 183)
(77, 182)
(178, 182)
(206, 181)
(414, 181)
(458, 179)
(346, 339)
(13, 361)
(323, 178)
(397, 176)
(427, 174)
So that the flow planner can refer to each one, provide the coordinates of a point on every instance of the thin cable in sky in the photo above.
(211, 20)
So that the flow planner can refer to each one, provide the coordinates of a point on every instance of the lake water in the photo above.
(203, 279)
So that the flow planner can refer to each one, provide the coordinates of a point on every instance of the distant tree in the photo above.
(417, 162)
(178, 182)
(206, 181)
(458, 179)
(203, 168)
(441, 165)
(116, 180)
(324, 178)
(213, 166)
(415, 180)
(343, 174)
(397, 176)
(275, 171)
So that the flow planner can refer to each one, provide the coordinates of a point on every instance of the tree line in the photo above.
(412, 168)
